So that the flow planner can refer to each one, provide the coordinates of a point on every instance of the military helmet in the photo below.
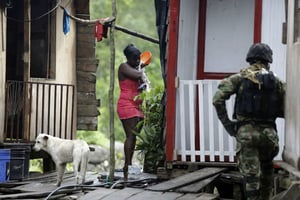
(259, 52)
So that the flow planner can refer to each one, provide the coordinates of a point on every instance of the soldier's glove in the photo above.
(231, 127)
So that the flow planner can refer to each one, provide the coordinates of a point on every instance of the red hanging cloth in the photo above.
(100, 31)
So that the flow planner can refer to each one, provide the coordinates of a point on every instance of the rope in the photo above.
(34, 19)
(74, 185)
(108, 21)
(105, 21)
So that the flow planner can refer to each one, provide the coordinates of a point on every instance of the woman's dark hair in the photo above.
(130, 51)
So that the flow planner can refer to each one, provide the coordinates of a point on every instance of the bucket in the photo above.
(17, 163)
(4, 164)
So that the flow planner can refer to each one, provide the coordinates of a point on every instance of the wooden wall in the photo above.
(86, 66)
(291, 152)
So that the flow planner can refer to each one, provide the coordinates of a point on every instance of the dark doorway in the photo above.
(41, 20)
(15, 41)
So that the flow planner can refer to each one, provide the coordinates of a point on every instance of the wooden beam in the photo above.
(111, 95)
(187, 179)
(136, 34)
(171, 76)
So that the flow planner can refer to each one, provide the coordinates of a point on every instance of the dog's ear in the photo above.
(45, 137)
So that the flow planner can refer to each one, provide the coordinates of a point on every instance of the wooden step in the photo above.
(187, 179)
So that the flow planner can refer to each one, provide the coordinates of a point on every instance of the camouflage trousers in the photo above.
(257, 145)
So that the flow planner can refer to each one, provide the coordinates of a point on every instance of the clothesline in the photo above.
(108, 21)
(103, 21)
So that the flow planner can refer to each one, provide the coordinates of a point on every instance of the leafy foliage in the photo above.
(150, 141)
(93, 137)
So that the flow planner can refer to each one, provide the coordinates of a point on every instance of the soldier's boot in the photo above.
(266, 181)
(266, 195)
(251, 188)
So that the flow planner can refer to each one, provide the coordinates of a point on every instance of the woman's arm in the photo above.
(126, 71)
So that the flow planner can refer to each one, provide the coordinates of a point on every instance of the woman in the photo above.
(129, 107)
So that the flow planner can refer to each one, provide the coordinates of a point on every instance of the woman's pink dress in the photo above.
(128, 106)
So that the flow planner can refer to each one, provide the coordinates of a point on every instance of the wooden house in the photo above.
(47, 70)
(291, 152)
(205, 41)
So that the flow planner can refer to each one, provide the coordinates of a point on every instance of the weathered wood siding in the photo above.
(86, 66)
(291, 152)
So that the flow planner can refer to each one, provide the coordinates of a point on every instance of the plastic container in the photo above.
(27, 161)
(146, 57)
(17, 163)
(4, 165)
(27, 149)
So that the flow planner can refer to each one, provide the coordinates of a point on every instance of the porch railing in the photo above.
(35, 107)
(200, 136)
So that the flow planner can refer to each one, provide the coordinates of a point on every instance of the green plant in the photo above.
(93, 137)
(150, 140)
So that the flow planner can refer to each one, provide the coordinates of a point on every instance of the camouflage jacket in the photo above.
(232, 85)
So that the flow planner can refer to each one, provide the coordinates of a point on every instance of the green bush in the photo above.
(150, 140)
(93, 137)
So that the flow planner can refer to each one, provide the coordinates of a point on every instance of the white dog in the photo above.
(98, 154)
(64, 151)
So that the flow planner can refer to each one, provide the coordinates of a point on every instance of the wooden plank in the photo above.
(199, 196)
(156, 195)
(88, 110)
(186, 179)
(36, 186)
(97, 194)
(86, 76)
(86, 99)
(35, 195)
(170, 195)
(87, 65)
(197, 186)
(122, 194)
(85, 86)
(208, 196)
(146, 195)
(91, 127)
(291, 169)
(189, 196)
(85, 28)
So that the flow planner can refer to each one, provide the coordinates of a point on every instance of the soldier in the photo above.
(259, 101)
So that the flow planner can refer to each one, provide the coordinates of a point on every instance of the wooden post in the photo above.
(2, 77)
(111, 95)
(26, 53)
(26, 65)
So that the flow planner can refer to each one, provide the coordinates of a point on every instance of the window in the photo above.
(226, 25)
(42, 41)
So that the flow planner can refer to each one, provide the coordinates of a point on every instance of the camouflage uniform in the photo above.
(257, 140)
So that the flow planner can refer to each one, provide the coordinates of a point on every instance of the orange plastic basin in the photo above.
(146, 57)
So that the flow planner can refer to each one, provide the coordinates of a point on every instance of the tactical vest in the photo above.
(258, 100)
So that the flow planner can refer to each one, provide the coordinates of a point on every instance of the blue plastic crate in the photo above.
(4, 164)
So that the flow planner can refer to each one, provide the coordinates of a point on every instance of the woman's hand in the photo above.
(143, 65)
